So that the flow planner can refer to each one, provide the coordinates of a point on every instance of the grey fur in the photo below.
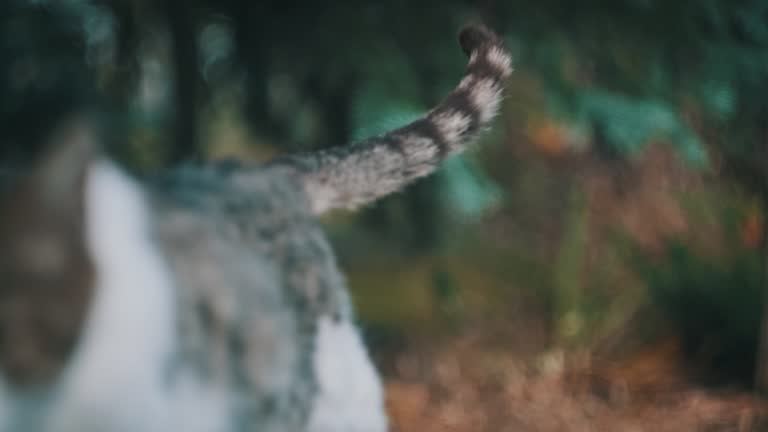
(258, 273)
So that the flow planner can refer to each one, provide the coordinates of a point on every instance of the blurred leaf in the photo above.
(466, 189)
(388, 98)
(629, 124)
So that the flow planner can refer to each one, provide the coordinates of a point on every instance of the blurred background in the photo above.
(597, 263)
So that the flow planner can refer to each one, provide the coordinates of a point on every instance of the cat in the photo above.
(205, 299)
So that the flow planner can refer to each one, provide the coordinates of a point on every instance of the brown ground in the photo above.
(466, 385)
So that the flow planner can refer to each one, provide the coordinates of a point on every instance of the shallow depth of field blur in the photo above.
(596, 263)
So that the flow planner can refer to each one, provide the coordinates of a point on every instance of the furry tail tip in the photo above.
(477, 39)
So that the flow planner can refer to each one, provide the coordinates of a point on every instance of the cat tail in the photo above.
(351, 176)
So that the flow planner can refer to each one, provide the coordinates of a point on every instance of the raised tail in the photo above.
(354, 175)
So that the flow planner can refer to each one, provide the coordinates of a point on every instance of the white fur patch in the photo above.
(466, 82)
(485, 96)
(322, 197)
(117, 379)
(6, 406)
(351, 395)
(451, 125)
(499, 60)
(422, 151)
(114, 381)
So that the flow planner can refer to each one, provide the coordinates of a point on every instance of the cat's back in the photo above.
(211, 294)
(225, 228)
(254, 274)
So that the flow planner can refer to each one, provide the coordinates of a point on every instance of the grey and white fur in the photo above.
(207, 299)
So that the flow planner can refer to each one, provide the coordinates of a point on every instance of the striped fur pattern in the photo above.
(352, 176)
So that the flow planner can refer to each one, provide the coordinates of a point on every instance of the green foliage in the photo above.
(718, 97)
(629, 124)
(376, 111)
(716, 304)
(466, 189)
(637, 69)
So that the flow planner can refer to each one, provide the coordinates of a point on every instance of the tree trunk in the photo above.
(186, 81)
